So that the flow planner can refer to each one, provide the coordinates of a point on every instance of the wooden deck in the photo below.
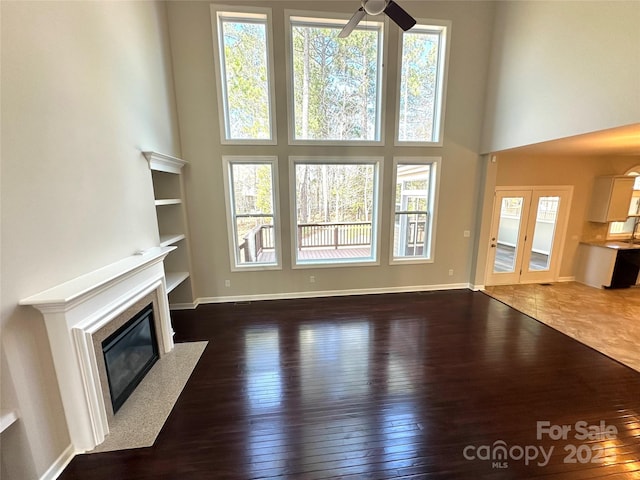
(505, 257)
(325, 253)
(384, 387)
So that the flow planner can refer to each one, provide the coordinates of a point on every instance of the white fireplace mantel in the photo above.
(74, 311)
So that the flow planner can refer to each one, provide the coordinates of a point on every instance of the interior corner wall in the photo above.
(85, 87)
(192, 48)
(561, 68)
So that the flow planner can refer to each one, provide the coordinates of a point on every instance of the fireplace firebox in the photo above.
(129, 353)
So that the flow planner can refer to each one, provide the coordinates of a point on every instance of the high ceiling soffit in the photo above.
(613, 142)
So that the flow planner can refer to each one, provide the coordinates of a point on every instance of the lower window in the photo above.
(335, 210)
(413, 220)
(251, 212)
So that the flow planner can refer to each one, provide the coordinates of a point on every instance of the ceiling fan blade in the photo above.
(396, 13)
(352, 23)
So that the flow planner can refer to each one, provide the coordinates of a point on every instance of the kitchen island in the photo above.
(608, 264)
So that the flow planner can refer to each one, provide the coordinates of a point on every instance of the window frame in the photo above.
(227, 162)
(340, 19)
(219, 11)
(378, 163)
(427, 26)
(432, 202)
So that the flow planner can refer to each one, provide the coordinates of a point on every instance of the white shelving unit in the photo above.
(168, 188)
(8, 418)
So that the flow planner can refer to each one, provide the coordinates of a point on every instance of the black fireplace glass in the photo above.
(129, 353)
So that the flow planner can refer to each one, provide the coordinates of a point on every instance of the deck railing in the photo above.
(326, 235)
(343, 234)
(414, 245)
(257, 240)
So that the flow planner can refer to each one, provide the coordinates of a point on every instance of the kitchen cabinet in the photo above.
(608, 264)
(611, 198)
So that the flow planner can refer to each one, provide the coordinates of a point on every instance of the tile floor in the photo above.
(606, 320)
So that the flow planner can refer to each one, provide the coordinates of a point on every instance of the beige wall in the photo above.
(561, 68)
(192, 48)
(85, 87)
(579, 172)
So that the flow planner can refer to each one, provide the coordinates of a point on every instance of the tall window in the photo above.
(250, 192)
(335, 82)
(626, 229)
(335, 210)
(422, 79)
(413, 222)
(245, 85)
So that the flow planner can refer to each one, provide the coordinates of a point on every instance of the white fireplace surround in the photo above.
(74, 311)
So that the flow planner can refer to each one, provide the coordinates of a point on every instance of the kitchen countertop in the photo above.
(619, 245)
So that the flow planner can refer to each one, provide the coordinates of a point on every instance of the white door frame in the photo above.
(521, 273)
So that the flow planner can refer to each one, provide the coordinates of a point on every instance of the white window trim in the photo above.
(243, 11)
(378, 163)
(341, 19)
(435, 163)
(227, 160)
(427, 25)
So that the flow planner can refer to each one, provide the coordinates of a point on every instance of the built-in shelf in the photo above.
(160, 162)
(168, 189)
(174, 279)
(171, 239)
(168, 201)
(7, 419)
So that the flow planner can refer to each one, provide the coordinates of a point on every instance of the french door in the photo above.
(527, 234)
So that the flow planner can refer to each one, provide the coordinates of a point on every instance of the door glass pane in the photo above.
(508, 233)
(543, 233)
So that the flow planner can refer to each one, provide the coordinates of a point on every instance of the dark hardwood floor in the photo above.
(402, 386)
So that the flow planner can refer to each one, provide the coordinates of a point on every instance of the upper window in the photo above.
(250, 188)
(335, 210)
(421, 86)
(245, 85)
(413, 219)
(626, 229)
(335, 83)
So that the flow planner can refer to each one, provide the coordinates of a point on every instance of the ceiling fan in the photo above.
(375, 7)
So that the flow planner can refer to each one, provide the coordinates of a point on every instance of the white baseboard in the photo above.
(331, 293)
(59, 465)
(183, 306)
(567, 279)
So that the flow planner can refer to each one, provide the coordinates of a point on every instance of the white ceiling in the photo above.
(616, 141)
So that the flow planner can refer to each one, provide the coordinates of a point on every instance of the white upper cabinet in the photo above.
(610, 199)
